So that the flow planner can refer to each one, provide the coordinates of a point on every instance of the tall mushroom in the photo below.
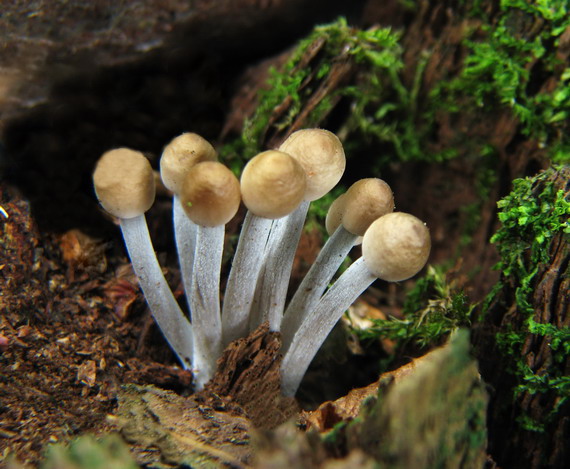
(395, 247)
(210, 197)
(124, 184)
(178, 157)
(365, 201)
(272, 185)
(321, 155)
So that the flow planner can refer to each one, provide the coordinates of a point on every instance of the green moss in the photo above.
(433, 309)
(376, 49)
(497, 72)
(529, 221)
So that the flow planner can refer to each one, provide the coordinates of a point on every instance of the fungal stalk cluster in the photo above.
(276, 187)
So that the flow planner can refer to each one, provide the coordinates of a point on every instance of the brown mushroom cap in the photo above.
(334, 214)
(124, 183)
(396, 246)
(365, 201)
(322, 157)
(210, 194)
(334, 217)
(273, 184)
(180, 155)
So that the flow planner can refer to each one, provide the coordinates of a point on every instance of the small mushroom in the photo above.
(210, 196)
(124, 184)
(365, 201)
(395, 247)
(334, 214)
(321, 155)
(272, 185)
(178, 157)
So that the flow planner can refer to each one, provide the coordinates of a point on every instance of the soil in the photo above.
(74, 328)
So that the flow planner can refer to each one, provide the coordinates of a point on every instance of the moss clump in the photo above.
(377, 51)
(531, 220)
(433, 309)
(497, 73)
(511, 62)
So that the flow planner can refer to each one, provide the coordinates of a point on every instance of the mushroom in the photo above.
(334, 214)
(178, 157)
(210, 197)
(365, 201)
(124, 185)
(395, 247)
(321, 155)
(334, 217)
(272, 185)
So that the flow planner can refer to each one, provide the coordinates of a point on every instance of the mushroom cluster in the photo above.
(276, 187)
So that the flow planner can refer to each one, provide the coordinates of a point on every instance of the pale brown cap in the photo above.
(365, 201)
(210, 194)
(180, 155)
(334, 217)
(396, 246)
(334, 214)
(321, 154)
(273, 184)
(124, 183)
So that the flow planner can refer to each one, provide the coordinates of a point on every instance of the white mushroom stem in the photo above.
(320, 321)
(205, 302)
(210, 197)
(178, 158)
(320, 154)
(395, 247)
(246, 265)
(279, 255)
(175, 327)
(272, 185)
(315, 282)
(185, 238)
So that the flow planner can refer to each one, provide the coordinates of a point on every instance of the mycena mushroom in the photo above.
(178, 157)
(395, 247)
(364, 202)
(321, 155)
(210, 197)
(124, 185)
(272, 185)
